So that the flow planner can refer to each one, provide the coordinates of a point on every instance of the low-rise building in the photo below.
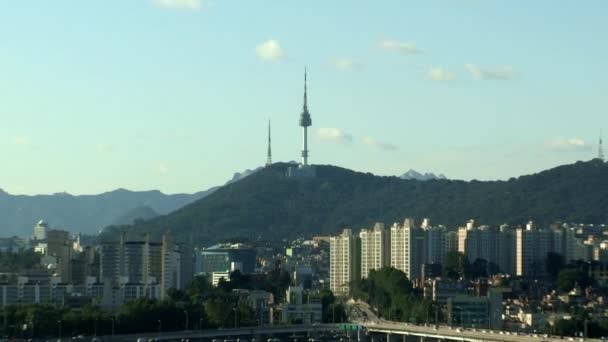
(301, 309)
(468, 311)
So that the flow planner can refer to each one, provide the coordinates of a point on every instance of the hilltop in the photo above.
(269, 205)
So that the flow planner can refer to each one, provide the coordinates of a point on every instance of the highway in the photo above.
(395, 330)
(373, 329)
(233, 333)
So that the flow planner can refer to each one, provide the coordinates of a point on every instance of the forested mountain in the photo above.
(268, 204)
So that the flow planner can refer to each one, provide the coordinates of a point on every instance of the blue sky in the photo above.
(175, 94)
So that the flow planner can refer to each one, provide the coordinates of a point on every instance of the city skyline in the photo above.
(143, 95)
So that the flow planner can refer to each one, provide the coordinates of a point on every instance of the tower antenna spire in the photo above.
(600, 149)
(305, 122)
(305, 92)
(269, 155)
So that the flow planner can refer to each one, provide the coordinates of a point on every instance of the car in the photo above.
(458, 330)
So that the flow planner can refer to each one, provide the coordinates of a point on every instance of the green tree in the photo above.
(219, 312)
(569, 278)
(565, 327)
(456, 265)
(198, 288)
(479, 269)
(391, 293)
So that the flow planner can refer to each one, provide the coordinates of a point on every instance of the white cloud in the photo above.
(345, 64)
(497, 73)
(371, 142)
(105, 148)
(405, 47)
(568, 145)
(162, 169)
(334, 135)
(269, 50)
(180, 4)
(440, 74)
(21, 141)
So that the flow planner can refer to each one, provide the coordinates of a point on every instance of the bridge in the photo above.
(378, 329)
(372, 331)
(234, 333)
(367, 328)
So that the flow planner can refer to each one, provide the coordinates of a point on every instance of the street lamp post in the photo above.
(187, 319)
(235, 317)
(59, 326)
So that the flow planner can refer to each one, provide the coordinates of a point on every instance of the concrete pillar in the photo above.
(392, 337)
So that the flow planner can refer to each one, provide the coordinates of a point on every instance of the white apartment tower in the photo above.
(375, 249)
(435, 245)
(531, 248)
(40, 230)
(403, 254)
(343, 262)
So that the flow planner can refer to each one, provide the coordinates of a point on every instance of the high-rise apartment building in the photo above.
(375, 249)
(59, 246)
(344, 259)
(435, 246)
(486, 243)
(405, 249)
(147, 263)
(531, 248)
(506, 249)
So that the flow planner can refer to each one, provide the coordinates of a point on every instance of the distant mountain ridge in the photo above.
(86, 214)
(269, 205)
(240, 175)
(89, 214)
(413, 174)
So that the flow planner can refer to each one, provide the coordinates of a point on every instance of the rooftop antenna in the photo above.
(269, 155)
(600, 149)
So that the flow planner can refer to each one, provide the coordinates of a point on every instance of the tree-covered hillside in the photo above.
(270, 205)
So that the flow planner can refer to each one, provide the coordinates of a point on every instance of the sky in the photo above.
(175, 95)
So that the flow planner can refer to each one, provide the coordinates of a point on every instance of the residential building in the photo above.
(344, 262)
(404, 249)
(375, 249)
(531, 248)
